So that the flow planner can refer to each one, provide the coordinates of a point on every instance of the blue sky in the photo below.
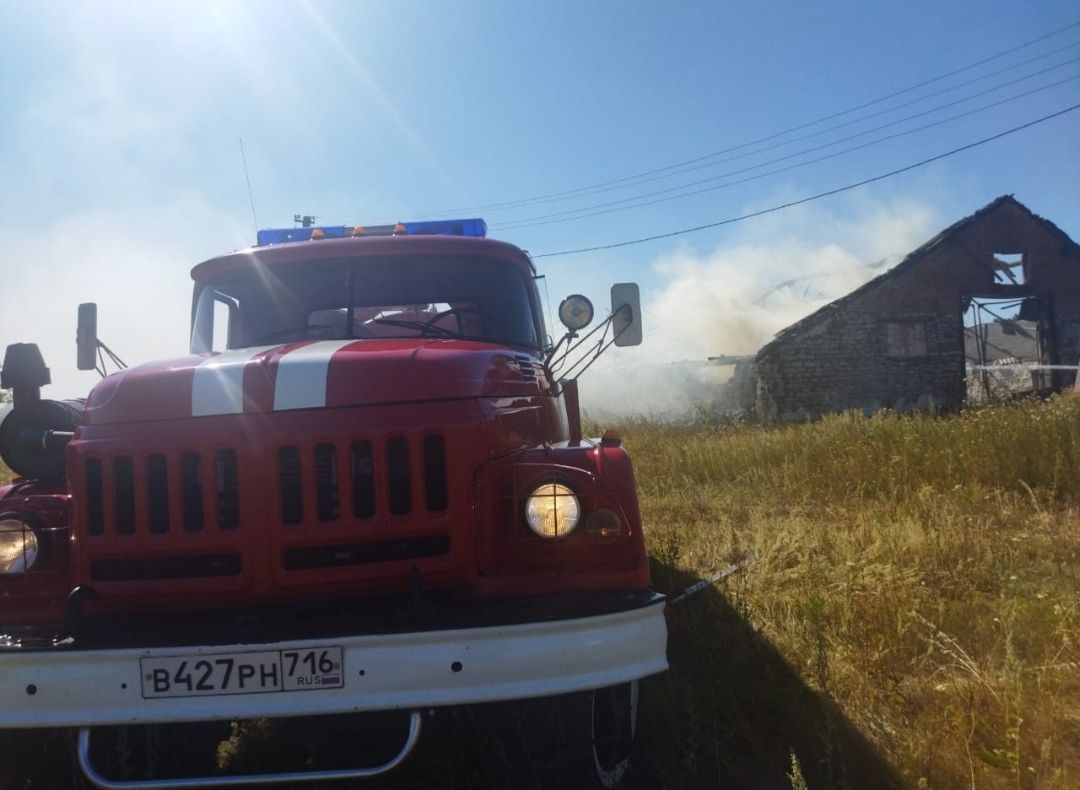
(121, 165)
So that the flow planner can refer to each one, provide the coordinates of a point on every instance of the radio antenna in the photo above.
(251, 195)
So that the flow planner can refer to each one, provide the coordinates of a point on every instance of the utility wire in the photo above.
(835, 127)
(638, 201)
(642, 176)
(773, 136)
(818, 196)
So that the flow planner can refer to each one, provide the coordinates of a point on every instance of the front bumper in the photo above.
(65, 687)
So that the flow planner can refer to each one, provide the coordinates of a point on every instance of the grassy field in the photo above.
(910, 616)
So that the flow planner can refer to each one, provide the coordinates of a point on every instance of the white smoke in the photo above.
(734, 299)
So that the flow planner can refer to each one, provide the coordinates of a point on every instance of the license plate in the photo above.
(207, 674)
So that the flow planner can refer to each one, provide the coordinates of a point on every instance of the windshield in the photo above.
(386, 297)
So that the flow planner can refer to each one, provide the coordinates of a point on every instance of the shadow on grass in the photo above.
(730, 713)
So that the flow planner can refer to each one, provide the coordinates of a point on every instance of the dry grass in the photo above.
(919, 573)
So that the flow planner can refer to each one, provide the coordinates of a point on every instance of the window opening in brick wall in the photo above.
(1009, 268)
(905, 339)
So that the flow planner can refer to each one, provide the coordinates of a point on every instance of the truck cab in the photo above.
(364, 489)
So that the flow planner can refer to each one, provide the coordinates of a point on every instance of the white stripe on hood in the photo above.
(218, 386)
(301, 375)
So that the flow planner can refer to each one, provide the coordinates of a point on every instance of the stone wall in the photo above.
(843, 363)
(1068, 346)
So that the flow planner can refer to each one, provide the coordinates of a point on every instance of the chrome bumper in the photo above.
(415, 670)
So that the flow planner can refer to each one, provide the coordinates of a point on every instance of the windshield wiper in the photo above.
(449, 334)
(282, 334)
(422, 327)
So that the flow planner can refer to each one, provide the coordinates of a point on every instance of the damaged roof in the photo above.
(910, 260)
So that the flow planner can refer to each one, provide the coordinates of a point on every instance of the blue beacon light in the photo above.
(474, 227)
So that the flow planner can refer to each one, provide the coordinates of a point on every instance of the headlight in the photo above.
(18, 546)
(552, 510)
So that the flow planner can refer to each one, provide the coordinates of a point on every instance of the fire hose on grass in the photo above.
(711, 579)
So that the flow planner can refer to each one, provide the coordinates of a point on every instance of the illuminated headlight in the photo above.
(552, 510)
(18, 546)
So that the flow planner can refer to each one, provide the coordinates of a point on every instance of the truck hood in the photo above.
(314, 375)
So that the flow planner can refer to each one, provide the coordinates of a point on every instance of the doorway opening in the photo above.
(1007, 346)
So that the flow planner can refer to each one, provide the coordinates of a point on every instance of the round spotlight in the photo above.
(552, 510)
(576, 312)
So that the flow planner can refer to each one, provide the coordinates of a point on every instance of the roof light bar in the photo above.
(475, 227)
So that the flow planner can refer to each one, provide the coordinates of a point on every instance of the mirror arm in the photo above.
(571, 347)
(555, 349)
(589, 357)
(595, 357)
(101, 347)
(592, 353)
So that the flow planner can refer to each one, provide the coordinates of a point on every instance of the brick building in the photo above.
(898, 342)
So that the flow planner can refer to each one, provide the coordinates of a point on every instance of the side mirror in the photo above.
(86, 338)
(626, 314)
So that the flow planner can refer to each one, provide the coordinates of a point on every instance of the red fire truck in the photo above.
(365, 489)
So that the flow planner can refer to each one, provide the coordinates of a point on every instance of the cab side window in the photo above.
(224, 323)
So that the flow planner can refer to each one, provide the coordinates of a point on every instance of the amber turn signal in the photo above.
(611, 438)
(603, 525)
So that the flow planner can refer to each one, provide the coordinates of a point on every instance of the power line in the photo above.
(701, 162)
(767, 138)
(818, 196)
(638, 201)
(681, 167)
(704, 165)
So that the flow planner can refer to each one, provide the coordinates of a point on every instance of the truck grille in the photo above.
(177, 515)
(158, 492)
(364, 468)
(326, 482)
(228, 489)
(123, 518)
(290, 485)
